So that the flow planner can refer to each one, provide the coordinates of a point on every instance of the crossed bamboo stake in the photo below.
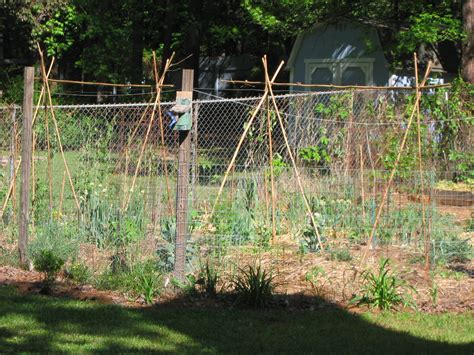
(269, 92)
(159, 83)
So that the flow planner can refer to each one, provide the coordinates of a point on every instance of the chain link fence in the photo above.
(119, 187)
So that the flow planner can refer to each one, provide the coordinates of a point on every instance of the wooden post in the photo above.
(26, 163)
(182, 187)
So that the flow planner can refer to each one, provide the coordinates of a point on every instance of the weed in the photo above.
(317, 279)
(78, 273)
(383, 290)
(342, 254)
(254, 286)
(188, 285)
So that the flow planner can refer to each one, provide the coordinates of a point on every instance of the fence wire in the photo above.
(124, 173)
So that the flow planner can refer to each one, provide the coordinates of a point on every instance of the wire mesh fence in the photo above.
(111, 177)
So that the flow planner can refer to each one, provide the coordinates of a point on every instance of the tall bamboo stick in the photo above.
(290, 153)
(150, 124)
(395, 165)
(58, 135)
(162, 134)
(241, 140)
(420, 167)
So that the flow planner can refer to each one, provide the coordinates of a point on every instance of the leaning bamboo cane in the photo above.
(142, 151)
(395, 165)
(61, 198)
(362, 181)
(162, 134)
(293, 162)
(241, 141)
(16, 136)
(272, 180)
(10, 189)
(58, 135)
(420, 167)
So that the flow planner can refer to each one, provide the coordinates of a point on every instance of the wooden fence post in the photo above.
(182, 188)
(26, 156)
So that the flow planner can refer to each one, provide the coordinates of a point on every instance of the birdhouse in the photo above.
(182, 111)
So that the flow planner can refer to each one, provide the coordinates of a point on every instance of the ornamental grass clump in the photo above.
(254, 286)
(383, 290)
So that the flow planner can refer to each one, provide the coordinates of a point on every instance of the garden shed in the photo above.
(342, 53)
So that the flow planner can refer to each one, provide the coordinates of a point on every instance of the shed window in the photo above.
(358, 71)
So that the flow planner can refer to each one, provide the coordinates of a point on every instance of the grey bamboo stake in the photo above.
(58, 136)
(241, 140)
(395, 165)
(420, 167)
(293, 162)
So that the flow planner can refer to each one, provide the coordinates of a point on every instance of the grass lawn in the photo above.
(44, 324)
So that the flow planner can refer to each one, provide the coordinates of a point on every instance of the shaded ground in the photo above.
(46, 324)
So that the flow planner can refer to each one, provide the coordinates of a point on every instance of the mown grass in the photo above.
(44, 324)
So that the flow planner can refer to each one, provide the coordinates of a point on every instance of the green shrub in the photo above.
(383, 290)
(47, 262)
(54, 244)
(254, 286)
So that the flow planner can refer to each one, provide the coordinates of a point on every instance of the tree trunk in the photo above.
(468, 48)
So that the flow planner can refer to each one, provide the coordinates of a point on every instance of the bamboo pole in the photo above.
(241, 140)
(359, 87)
(10, 189)
(395, 165)
(61, 198)
(362, 181)
(157, 98)
(290, 153)
(420, 167)
(78, 82)
(49, 157)
(15, 138)
(270, 152)
(162, 135)
(58, 136)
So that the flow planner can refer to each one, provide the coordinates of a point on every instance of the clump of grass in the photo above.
(254, 286)
(383, 290)
(208, 278)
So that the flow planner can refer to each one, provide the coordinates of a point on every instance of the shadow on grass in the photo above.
(46, 324)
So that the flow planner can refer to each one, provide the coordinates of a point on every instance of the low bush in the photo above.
(54, 244)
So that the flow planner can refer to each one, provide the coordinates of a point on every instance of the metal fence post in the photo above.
(26, 152)
(182, 188)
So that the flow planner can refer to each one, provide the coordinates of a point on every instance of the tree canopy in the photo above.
(112, 39)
